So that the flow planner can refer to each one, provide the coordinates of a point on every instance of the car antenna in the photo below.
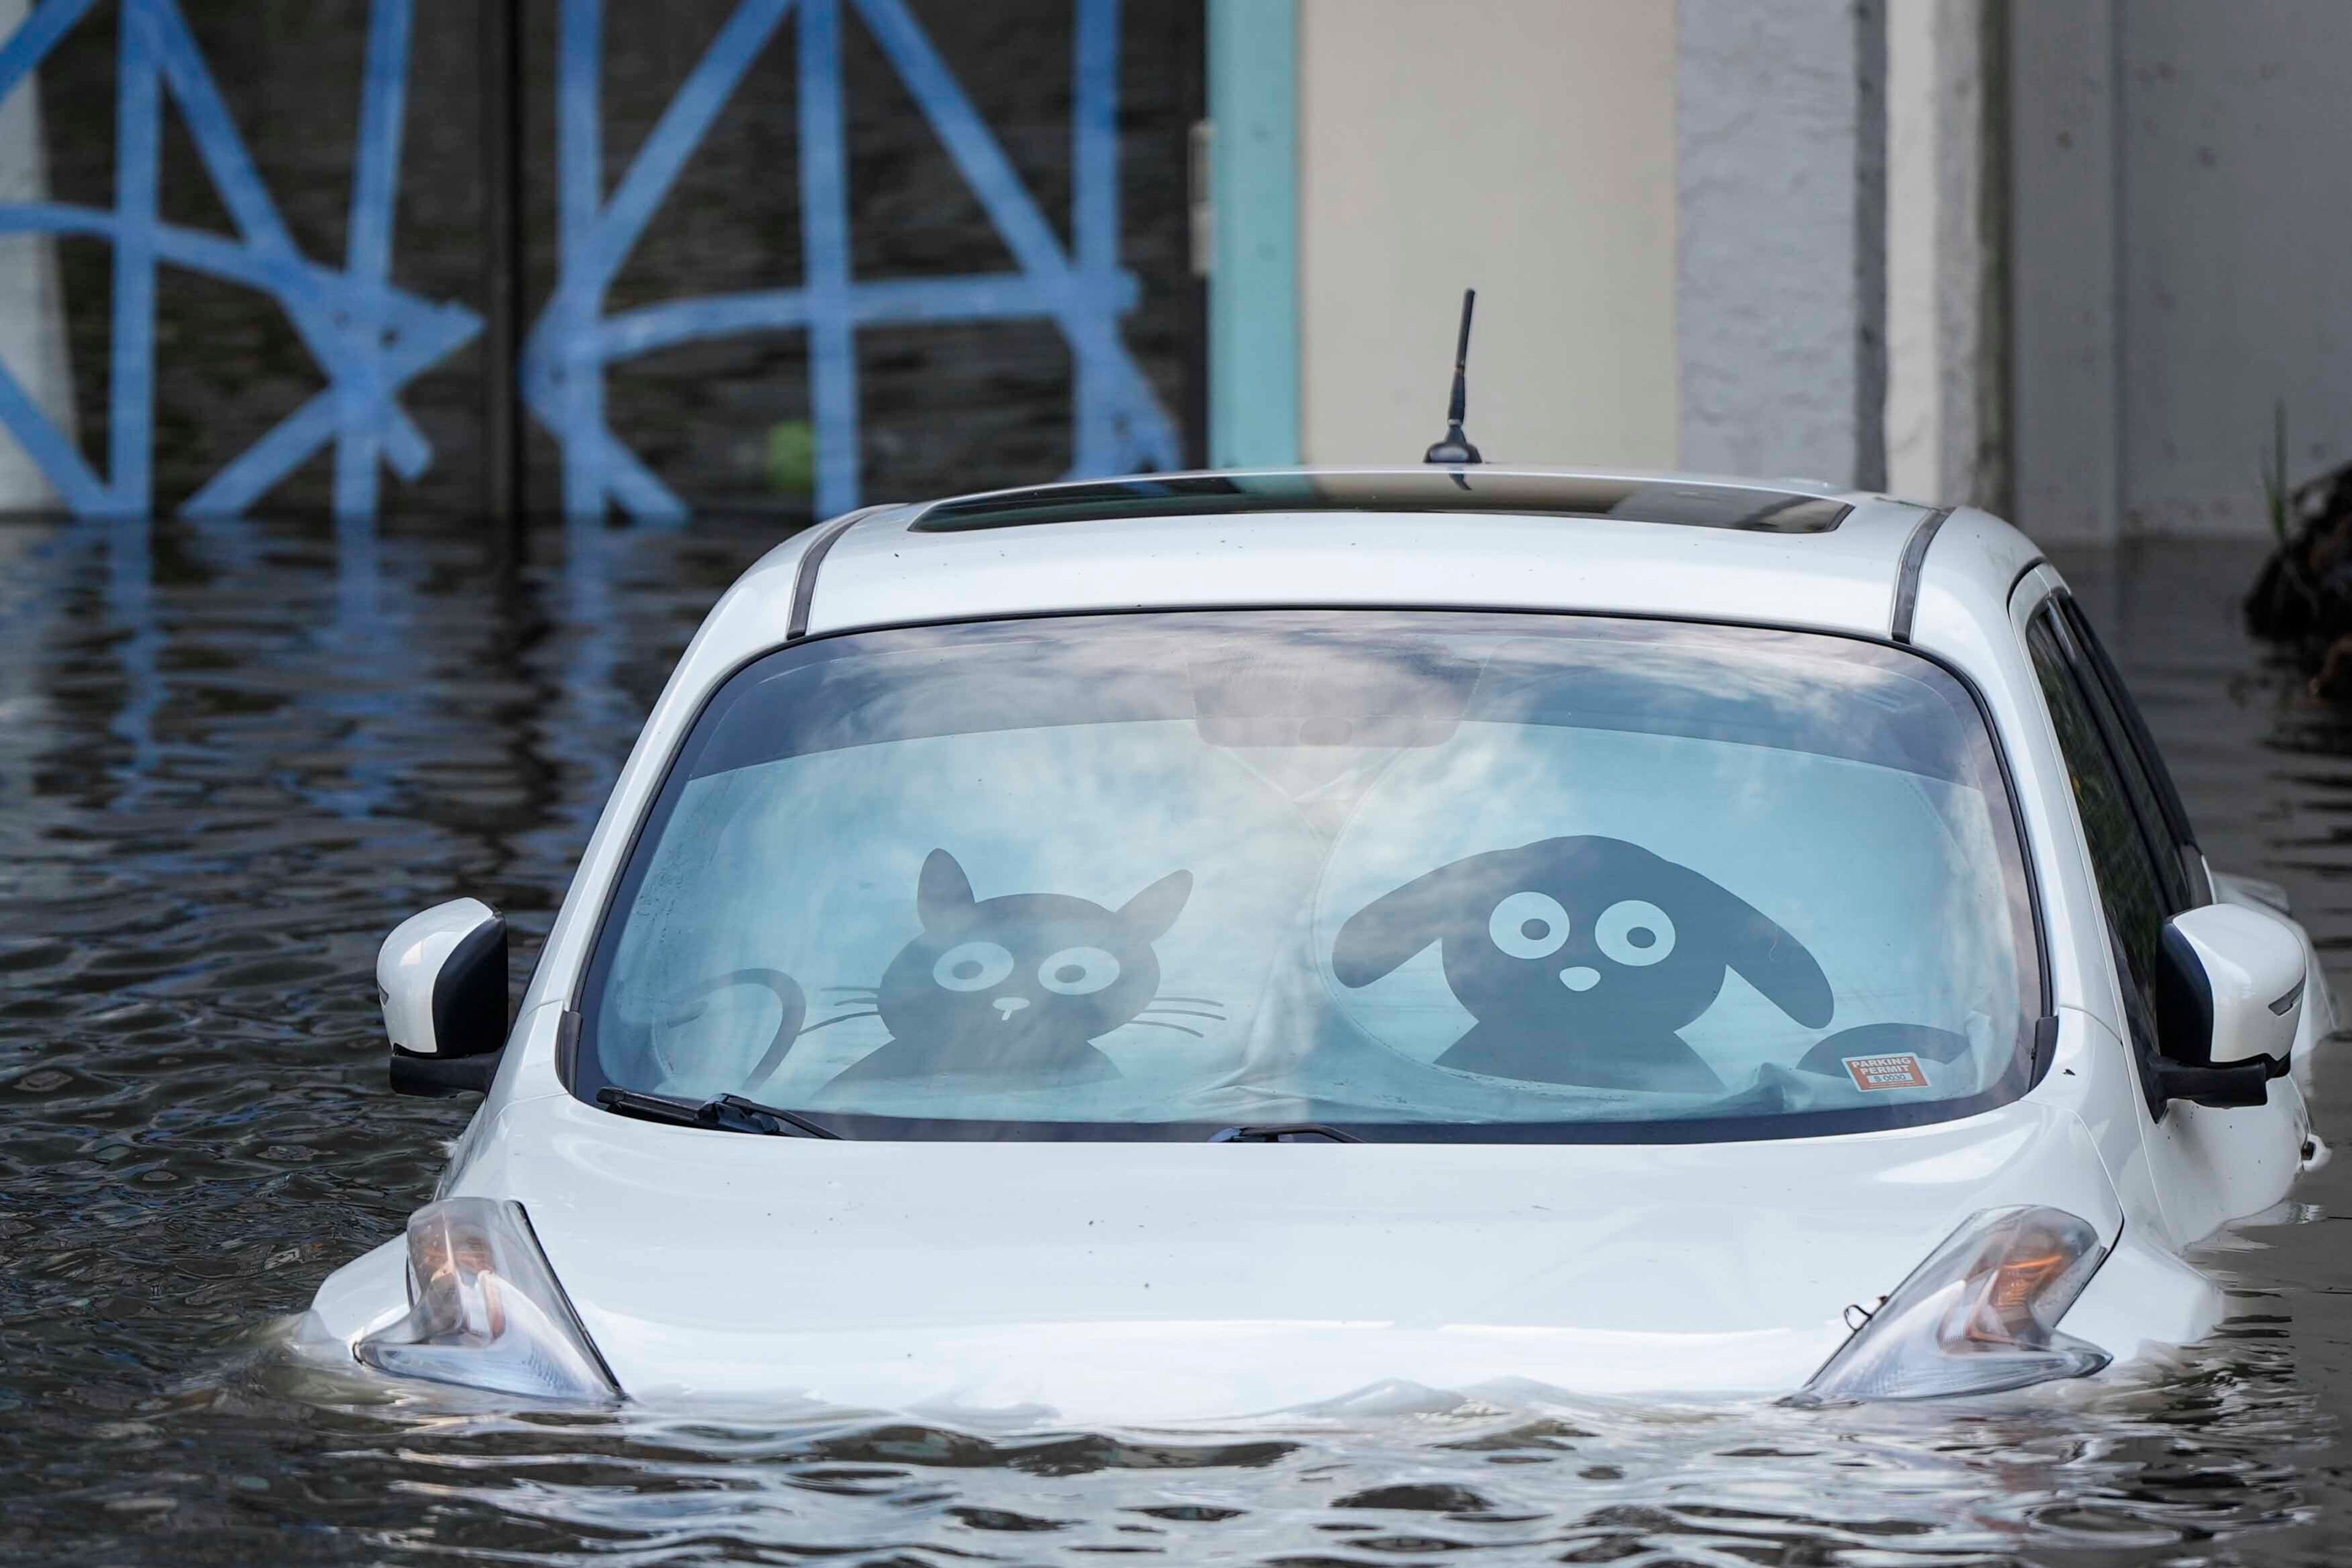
(1456, 449)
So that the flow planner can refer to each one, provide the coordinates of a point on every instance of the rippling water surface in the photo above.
(233, 755)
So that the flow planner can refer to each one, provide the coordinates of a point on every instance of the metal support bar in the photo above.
(500, 73)
(825, 250)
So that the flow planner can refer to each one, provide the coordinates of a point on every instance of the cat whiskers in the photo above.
(1186, 1006)
(839, 1018)
(865, 996)
(1207, 1007)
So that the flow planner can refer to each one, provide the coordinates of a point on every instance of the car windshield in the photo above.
(1405, 874)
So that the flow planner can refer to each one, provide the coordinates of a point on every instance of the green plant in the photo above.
(791, 457)
(2276, 495)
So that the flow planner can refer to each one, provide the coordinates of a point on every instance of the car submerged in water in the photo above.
(1201, 944)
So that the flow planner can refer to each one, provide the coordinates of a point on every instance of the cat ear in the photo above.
(942, 891)
(1152, 912)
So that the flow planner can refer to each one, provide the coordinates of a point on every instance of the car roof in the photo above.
(1777, 552)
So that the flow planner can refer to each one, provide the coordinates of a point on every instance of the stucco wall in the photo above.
(1525, 147)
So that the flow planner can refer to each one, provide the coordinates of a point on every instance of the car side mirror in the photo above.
(442, 977)
(2229, 996)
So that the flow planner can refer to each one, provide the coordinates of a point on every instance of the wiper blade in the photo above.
(783, 1119)
(1284, 1132)
(728, 1113)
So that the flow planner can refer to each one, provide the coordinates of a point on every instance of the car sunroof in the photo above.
(1678, 503)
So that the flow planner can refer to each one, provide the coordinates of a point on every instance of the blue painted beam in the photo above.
(1094, 212)
(1119, 423)
(1254, 226)
(367, 257)
(138, 152)
(1145, 438)
(824, 252)
(369, 338)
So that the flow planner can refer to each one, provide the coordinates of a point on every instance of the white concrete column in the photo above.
(32, 300)
(1947, 327)
(1780, 294)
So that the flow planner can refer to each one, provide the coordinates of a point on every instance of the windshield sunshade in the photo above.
(1398, 874)
(1674, 502)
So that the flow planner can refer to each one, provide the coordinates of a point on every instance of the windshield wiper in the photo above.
(1282, 1133)
(728, 1113)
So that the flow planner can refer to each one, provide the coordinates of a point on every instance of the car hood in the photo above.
(1156, 1281)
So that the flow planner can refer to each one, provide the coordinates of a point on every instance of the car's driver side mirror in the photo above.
(442, 977)
(2228, 995)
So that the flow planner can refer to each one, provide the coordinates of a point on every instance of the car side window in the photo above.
(2131, 887)
(2114, 736)
(2153, 791)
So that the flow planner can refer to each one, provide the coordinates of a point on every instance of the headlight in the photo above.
(1980, 1315)
(483, 1310)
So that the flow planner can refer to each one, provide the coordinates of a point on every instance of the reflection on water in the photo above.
(232, 755)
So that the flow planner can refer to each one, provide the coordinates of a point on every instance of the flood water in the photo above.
(233, 755)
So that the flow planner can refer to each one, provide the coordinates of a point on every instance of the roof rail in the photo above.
(1692, 503)
(1906, 581)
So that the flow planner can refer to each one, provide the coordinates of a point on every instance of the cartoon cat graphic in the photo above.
(1014, 990)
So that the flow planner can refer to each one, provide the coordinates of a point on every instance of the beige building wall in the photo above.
(1524, 147)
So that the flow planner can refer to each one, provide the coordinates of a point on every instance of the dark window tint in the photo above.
(2130, 887)
(1674, 502)
(2151, 782)
(2147, 810)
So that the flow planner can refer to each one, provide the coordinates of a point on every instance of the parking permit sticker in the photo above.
(1900, 1069)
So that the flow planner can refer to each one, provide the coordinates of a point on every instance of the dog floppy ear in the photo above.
(1767, 957)
(1397, 924)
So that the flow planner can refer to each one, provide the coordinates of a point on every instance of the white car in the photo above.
(1203, 944)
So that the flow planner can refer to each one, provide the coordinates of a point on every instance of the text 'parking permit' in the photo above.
(1899, 1069)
